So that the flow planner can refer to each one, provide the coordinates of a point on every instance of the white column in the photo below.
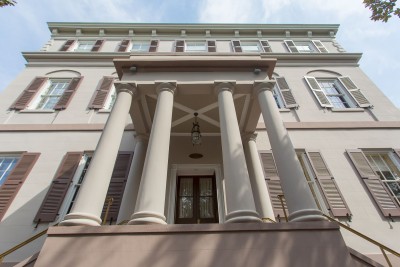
(239, 197)
(90, 200)
(128, 201)
(260, 192)
(151, 198)
(300, 202)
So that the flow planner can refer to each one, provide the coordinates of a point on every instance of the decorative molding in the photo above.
(56, 127)
(338, 125)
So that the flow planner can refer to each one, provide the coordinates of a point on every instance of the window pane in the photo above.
(52, 94)
(140, 47)
(6, 166)
(205, 187)
(186, 187)
(185, 207)
(195, 47)
(85, 46)
(334, 93)
(206, 207)
(250, 47)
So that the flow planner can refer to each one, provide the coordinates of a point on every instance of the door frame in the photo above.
(195, 170)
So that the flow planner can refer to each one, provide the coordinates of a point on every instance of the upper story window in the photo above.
(251, 46)
(7, 164)
(138, 46)
(47, 94)
(337, 93)
(195, 46)
(82, 45)
(313, 46)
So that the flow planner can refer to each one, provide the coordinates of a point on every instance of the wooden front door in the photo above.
(196, 200)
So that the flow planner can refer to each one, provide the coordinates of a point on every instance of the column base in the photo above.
(306, 216)
(243, 216)
(75, 219)
(147, 217)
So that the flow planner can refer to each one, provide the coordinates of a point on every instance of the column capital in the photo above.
(224, 86)
(250, 137)
(260, 86)
(126, 87)
(165, 86)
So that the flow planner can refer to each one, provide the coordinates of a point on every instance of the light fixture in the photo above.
(196, 135)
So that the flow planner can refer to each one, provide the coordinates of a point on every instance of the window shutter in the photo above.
(117, 184)
(377, 189)
(101, 93)
(286, 93)
(68, 93)
(27, 95)
(14, 181)
(333, 197)
(317, 91)
(265, 45)
(97, 45)
(124, 45)
(153, 46)
(397, 151)
(51, 204)
(211, 45)
(355, 92)
(67, 45)
(320, 46)
(179, 46)
(291, 46)
(236, 46)
(273, 182)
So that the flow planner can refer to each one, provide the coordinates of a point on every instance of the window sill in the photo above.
(284, 110)
(37, 111)
(103, 110)
(347, 110)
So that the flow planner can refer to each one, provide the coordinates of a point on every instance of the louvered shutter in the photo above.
(397, 151)
(100, 95)
(273, 182)
(265, 45)
(124, 45)
(28, 94)
(291, 46)
(117, 184)
(320, 46)
(153, 46)
(377, 189)
(67, 45)
(286, 93)
(327, 185)
(317, 91)
(236, 46)
(355, 92)
(68, 93)
(15, 179)
(51, 204)
(211, 46)
(97, 45)
(179, 46)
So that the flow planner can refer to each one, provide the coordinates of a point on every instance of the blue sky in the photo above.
(23, 27)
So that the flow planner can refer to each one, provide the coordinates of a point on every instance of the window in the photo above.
(7, 164)
(51, 94)
(140, 46)
(278, 97)
(195, 46)
(283, 94)
(337, 93)
(249, 46)
(313, 46)
(84, 46)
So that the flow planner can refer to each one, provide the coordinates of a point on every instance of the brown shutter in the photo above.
(97, 45)
(58, 189)
(378, 190)
(27, 95)
(265, 45)
(291, 46)
(15, 179)
(273, 182)
(179, 46)
(355, 92)
(68, 93)
(124, 45)
(211, 46)
(67, 45)
(153, 46)
(100, 95)
(236, 46)
(286, 93)
(117, 184)
(327, 185)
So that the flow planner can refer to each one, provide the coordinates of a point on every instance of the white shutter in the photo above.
(265, 45)
(321, 48)
(291, 46)
(286, 92)
(317, 91)
(355, 92)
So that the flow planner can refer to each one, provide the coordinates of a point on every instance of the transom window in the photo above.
(7, 164)
(388, 169)
(335, 93)
(52, 93)
(251, 46)
(195, 46)
(84, 46)
(140, 46)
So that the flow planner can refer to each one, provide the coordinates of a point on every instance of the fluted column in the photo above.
(239, 197)
(90, 200)
(260, 192)
(128, 201)
(300, 202)
(151, 198)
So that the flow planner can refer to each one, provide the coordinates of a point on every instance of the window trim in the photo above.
(263, 45)
(316, 44)
(210, 45)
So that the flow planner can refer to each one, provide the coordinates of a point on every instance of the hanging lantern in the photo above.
(196, 135)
